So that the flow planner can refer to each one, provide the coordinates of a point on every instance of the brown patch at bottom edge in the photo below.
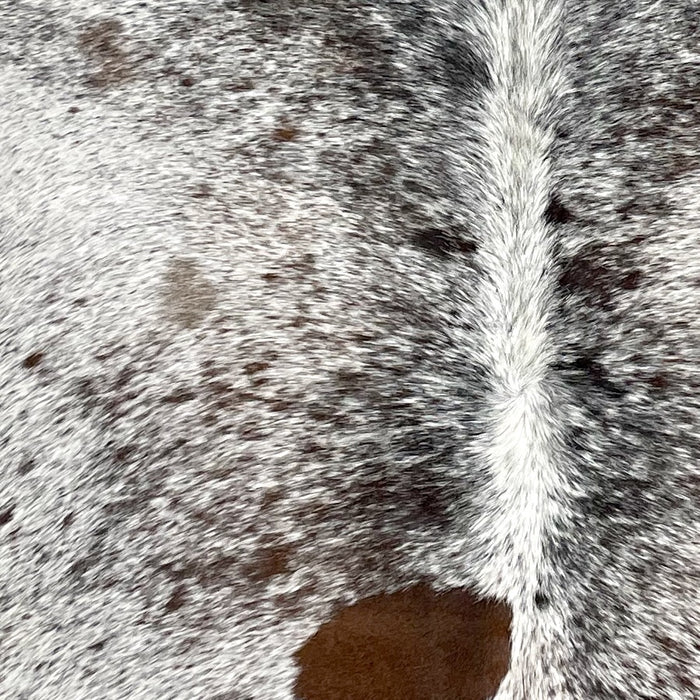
(412, 645)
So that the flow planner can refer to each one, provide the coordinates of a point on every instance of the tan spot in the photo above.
(412, 645)
(102, 44)
(188, 297)
(285, 133)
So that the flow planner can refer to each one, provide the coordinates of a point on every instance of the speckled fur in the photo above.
(303, 301)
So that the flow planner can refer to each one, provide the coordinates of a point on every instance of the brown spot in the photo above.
(659, 381)
(631, 280)
(101, 43)
(188, 296)
(176, 600)
(269, 561)
(32, 360)
(255, 367)
(187, 81)
(411, 645)
(285, 133)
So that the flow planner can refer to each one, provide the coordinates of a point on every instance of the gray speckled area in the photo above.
(303, 302)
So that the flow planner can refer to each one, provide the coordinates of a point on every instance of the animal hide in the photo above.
(350, 350)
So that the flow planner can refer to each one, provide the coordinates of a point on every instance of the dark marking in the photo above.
(255, 367)
(541, 600)
(123, 453)
(6, 514)
(32, 360)
(176, 600)
(26, 466)
(583, 274)
(659, 381)
(188, 296)
(464, 70)
(411, 645)
(556, 213)
(285, 133)
(100, 43)
(202, 191)
(187, 81)
(97, 646)
(631, 280)
(179, 396)
(268, 562)
(442, 243)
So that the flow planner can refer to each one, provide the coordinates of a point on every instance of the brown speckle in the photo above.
(33, 360)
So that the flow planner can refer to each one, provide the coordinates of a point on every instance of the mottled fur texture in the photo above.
(308, 300)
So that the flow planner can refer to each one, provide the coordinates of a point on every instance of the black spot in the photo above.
(585, 275)
(97, 646)
(187, 81)
(26, 466)
(556, 212)
(541, 600)
(442, 243)
(587, 366)
(464, 70)
(33, 360)
(6, 514)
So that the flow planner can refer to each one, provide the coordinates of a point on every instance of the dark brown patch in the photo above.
(187, 81)
(32, 360)
(269, 561)
(659, 381)
(101, 43)
(188, 296)
(411, 645)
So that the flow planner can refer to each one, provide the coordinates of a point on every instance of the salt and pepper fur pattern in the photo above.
(302, 302)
